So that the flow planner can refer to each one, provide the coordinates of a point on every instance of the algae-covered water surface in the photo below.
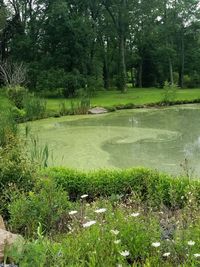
(155, 138)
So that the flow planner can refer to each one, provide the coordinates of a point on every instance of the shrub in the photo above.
(154, 188)
(19, 115)
(169, 93)
(17, 174)
(35, 107)
(8, 127)
(46, 204)
(73, 82)
(16, 95)
(50, 80)
(192, 81)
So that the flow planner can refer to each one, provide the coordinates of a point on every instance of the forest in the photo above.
(66, 45)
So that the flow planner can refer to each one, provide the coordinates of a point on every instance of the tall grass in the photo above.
(39, 154)
(80, 107)
(35, 107)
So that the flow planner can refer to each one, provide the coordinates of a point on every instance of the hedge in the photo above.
(155, 188)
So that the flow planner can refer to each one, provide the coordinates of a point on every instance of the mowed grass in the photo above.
(133, 95)
(111, 98)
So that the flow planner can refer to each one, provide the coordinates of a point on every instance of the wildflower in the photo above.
(114, 232)
(125, 253)
(84, 196)
(167, 254)
(156, 244)
(88, 224)
(135, 214)
(117, 241)
(100, 210)
(69, 227)
(191, 243)
(197, 255)
(73, 212)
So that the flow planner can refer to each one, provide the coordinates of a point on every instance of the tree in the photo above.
(119, 14)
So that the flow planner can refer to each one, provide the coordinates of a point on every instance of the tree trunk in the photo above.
(171, 72)
(182, 61)
(106, 75)
(133, 77)
(140, 75)
(122, 64)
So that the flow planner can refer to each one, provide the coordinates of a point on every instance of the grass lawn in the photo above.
(133, 95)
(111, 98)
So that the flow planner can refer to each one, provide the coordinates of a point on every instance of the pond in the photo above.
(157, 138)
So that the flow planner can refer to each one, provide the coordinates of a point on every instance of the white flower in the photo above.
(117, 241)
(191, 243)
(114, 232)
(84, 196)
(73, 212)
(197, 255)
(156, 244)
(101, 210)
(135, 214)
(125, 253)
(88, 224)
(167, 254)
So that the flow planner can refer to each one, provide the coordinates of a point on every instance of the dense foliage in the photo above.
(66, 44)
(157, 189)
(110, 232)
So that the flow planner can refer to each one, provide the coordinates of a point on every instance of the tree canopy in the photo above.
(106, 43)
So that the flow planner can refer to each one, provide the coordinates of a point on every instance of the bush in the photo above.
(47, 204)
(50, 80)
(73, 82)
(19, 115)
(154, 188)
(8, 127)
(192, 81)
(169, 93)
(17, 174)
(16, 95)
(35, 107)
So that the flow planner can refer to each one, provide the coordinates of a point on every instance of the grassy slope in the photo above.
(134, 95)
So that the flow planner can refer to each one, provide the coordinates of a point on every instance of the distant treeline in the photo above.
(76, 44)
